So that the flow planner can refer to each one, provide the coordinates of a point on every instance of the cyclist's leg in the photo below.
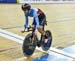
(41, 28)
(42, 19)
(34, 26)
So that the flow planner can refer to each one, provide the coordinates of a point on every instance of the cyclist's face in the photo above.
(26, 11)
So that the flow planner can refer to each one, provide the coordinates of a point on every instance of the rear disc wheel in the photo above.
(46, 46)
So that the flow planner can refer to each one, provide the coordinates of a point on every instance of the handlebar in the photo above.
(29, 29)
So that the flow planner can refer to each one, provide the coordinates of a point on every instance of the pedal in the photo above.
(38, 44)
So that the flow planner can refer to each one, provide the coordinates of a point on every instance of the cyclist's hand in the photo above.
(22, 31)
(25, 26)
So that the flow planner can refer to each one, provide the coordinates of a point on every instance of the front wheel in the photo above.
(29, 45)
(46, 46)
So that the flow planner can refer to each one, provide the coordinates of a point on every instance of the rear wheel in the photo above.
(46, 46)
(29, 45)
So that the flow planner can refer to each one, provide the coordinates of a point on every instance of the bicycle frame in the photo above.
(34, 36)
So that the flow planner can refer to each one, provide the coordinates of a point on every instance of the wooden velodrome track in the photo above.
(61, 22)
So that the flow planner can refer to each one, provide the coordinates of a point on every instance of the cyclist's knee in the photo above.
(41, 31)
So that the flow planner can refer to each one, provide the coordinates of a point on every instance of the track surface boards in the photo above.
(61, 22)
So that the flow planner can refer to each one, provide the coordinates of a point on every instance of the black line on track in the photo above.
(3, 50)
(12, 27)
(65, 20)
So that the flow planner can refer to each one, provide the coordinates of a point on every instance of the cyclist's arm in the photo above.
(36, 19)
(26, 21)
